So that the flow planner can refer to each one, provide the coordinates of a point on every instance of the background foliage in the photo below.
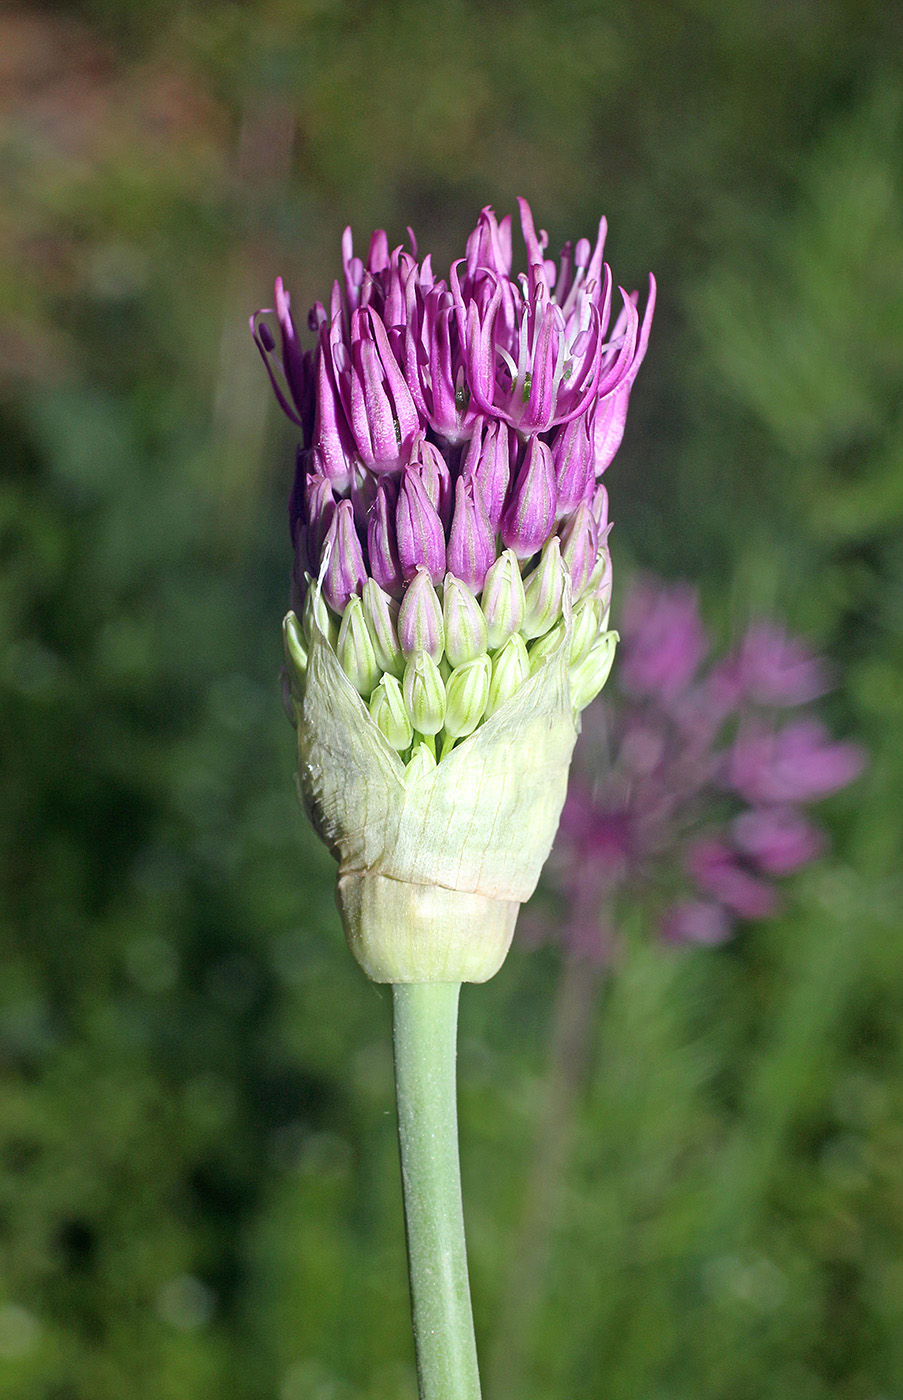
(198, 1188)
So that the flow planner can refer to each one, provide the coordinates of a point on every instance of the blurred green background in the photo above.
(198, 1184)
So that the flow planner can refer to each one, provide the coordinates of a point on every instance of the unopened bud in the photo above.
(296, 651)
(420, 626)
(467, 691)
(599, 584)
(345, 572)
(424, 693)
(381, 613)
(382, 546)
(420, 534)
(355, 649)
(388, 711)
(502, 599)
(544, 591)
(579, 545)
(317, 614)
(530, 513)
(466, 633)
(586, 624)
(421, 763)
(471, 541)
(510, 668)
(546, 646)
(588, 678)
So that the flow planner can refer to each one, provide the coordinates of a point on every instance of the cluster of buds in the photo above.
(691, 787)
(450, 533)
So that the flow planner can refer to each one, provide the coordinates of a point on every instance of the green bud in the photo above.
(588, 678)
(466, 633)
(316, 610)
(502, 599)
(546, 646)
(381, 613)
(467, 691)
(295, 646)
(420, 626)
(586, 625)
(421, 763)
(355, 649)
(388, 711)
(544, 591)
(599, 584)
(510, 668)
(424, 693)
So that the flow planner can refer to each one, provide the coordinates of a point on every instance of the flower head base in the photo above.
(694, 797)
(448, 528)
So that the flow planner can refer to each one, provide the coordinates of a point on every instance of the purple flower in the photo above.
(536, 354)
(772, 668)
(778, 840)
(799, 763)
(690, 793)
(666, 644)
(716, 870)
(449, 428)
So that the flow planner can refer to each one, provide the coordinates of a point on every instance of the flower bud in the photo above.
(510, 668)
(586, 624)
(354, 649)
(466, 633)
(433, 471)
(488, 462)
(530, 514)
(467, 691)
(546, 646)
(317, 614)
(471, 541)
(420, 626)
(380, 612)
(421, 538)
(589, 676)
(424, 693)
(544, 591)
(345, 571)
(296, 649)
(572, 458)
(599, 506)
(579, 545)
(420, 765)
(388, 711)
(364, 486)
(502, 600)
(319, 508)
(382, 545)
(599, 582)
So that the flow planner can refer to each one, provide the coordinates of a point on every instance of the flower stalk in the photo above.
(425, 1018)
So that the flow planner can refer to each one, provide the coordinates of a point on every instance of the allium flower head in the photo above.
(693, 781)
(450, 531)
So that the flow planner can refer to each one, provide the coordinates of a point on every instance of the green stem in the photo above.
(426, 1022)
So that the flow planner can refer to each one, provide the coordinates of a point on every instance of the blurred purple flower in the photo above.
(799, 763)
(689, 777)
(664, 641)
